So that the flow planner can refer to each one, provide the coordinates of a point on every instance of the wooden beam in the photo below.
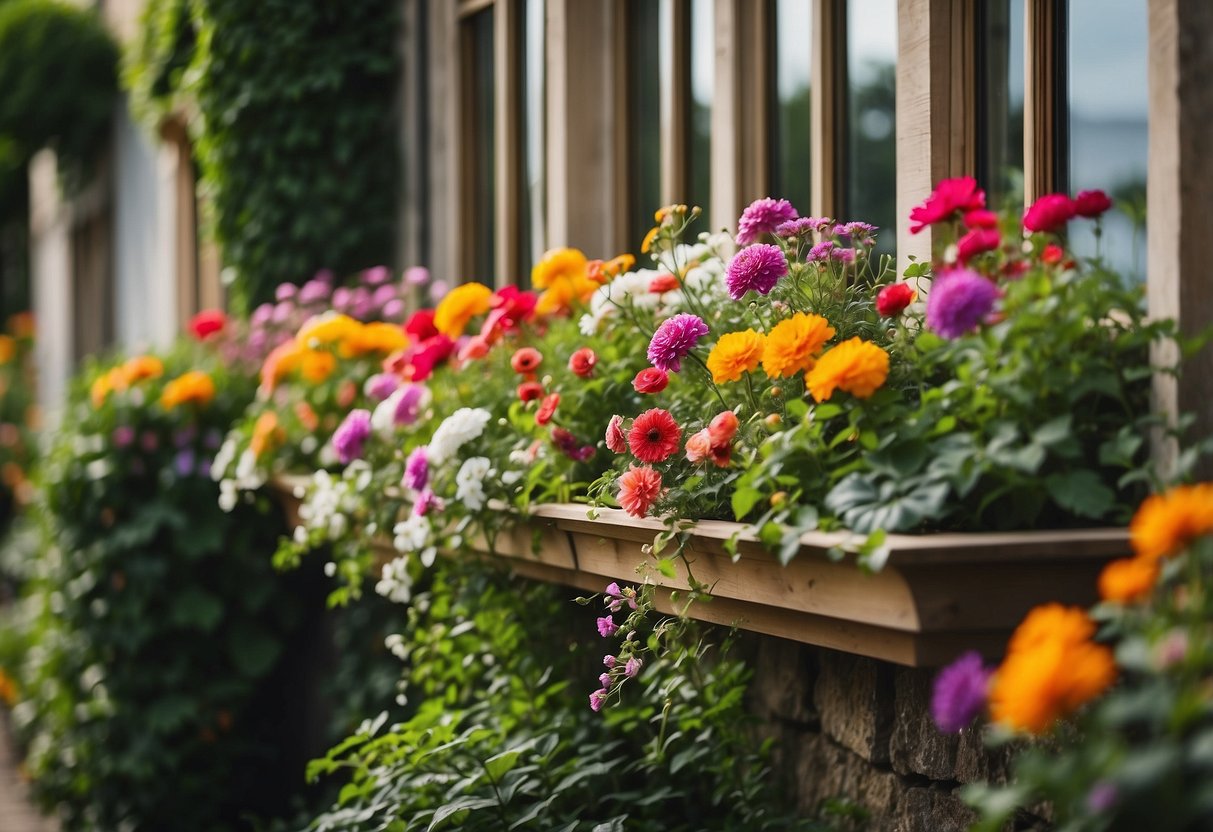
(827, 104)
(508, 150)
(1043, 105)
(675, 100)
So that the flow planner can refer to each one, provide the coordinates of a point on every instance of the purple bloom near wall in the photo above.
(958, 301)
(416, 470)
(960, 692)
(676, 337)
(758, 268)
(351, 435)
(763, 216)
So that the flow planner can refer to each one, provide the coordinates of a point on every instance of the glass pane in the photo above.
(1108, 114)
(703, 68)
(644, 118)
(1001, 101)
(532, 223)
(483, 130)
(871, 182)
(793, 69)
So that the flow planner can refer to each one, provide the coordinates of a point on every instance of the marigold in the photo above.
(460, 305)
(735, 353)
(193, 387)
(1128, 580)
(379, 336)
(282, 359)
(1165, 523)
(317, 365)
(639, 488)
(330, 328)
(1051, 622)
(140, 368)
(792, 345)
(856, 366)
(1034, 688)
(100, 389)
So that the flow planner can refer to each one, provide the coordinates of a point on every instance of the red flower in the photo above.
(526, 360)
(654, 435)
(582, 362)
(420, 325)
(206, 323)
(616, 439)
(1091, 204)
(418, 363)
(977, 241)
(981, 218)
(529, 391)
(894, 298)
(547, 409)
(476, 347)
(639, 488)
(1049, 213)
(651, 380)
(949, 196)
(662, 283)
(511, 307)
(723, 427)
(700, 447)
(1052, 254)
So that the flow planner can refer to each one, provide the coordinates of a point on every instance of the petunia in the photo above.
(959, 301)
(351, 435)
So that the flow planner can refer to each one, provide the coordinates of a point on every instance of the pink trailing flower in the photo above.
(616, 438)
(639, 488)
(1049, 213)
(427, 501)
(960, 692)
(608, 661)
(763, 216)
(607, 626)
(976, 242)
(616, 598)
(676, 337)
(597, 700)
(757, 268)
(632, 667)
(351, 435)
(416, 470)
(949, 196)
(958, 302)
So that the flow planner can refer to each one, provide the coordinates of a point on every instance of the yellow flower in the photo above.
(139, 368)
(856, 366)
(317, 365)
(460, 305)
(8, 349)
(282, 359)
(557, 265)
(1165, 523)
(194, 386)
(792, 345)
(380, 337)
(734, 354)
(100, 389)
(326, 329)
(647, 243)
(1128, 579)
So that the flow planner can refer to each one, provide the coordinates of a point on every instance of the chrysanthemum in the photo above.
(1165, 523)
(960, 692)
(792, 345)
(799, 227)
(763, 216)
(654, 435)
(856, 366)
(735, 353)
(639, 488)
(958, 302)
(676, 337)
(351, 435)
(758, 268)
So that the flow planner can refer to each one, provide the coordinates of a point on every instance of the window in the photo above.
(702, 59)
(533, 231)
(1000, 101)
(790, 102)
(479, 154)
(647, 30)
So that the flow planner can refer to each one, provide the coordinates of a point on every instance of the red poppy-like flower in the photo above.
(639, 488)
(723, 427)
(976, 242)
(529, 391)
(654, 435)
(949, 196)
(207, 323)
(894, 298)
(1091, 204)
(547, 409)
(664, 282)
(981, 218)
(616, 439)
(651, 380)
(1052, 254)
(420, 325)
(582, 362)
(1049, 213)
(526, 360)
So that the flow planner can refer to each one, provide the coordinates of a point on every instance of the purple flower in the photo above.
(416, 470)
(960, 692)
(376, 275)
(416, 275)
(607, 627)
(859, 230)
(959, 300)
(383, 295)
(1102, 797)
(426, 502)
(796, 228)
(409, 400)
(632, 667)
(608, 661)
(762, 216)
(843, 255)
(351, 435)
(821, 251)
(123, 436)
(393, 309)
(314, 290)
(184, 463)
(381, 385)
(285, 291)
(676, 337)
(262, 315)
(597, 700)
(757, 267)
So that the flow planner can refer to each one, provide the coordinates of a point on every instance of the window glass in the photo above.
(532, 222)
(1000, 105)
(479, 34)
(644, 67)
(1108, 108)
(703, 68)
(871, 178)
(790, 112)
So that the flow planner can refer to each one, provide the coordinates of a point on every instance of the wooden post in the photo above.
(1043, 75)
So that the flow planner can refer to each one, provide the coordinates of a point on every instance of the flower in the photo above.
(456, 430)
(394, 582)
(1165, 523)
(317, 365)
(380, 386)
(377, 336)
(401, 408)
(351, 435)
(792, 344)
(701, 446)
(981, 218)
(206, 323)
(1128, 580)
(976, 242)
(616, 439)
(459, 306)
(597, 700)
(763, 216)
(137, 369)
(632, 667)
(469, 482)
(662, 283)
(843, 255)
(582, 362)
(723, 427)
(266, 433)
(194, 386)
(894, 298)
(1052, 254)
(757, 267)
(735, 353)
(1049, 213)
(420, 325)
(821, 251)
(639, 488)
(1091, 204)
(416, 469)
(676, 337)
(856, 366)
(607, 626)
(960, 692)
(427, 502)
(958, 302)
(654, 435)
(529, 391)
(547, 408)
(856, 230)
(556, 265)
(949, 196)
(1102, 797)
(651, 380)
(526, 360)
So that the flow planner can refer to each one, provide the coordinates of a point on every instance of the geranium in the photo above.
(763, 216)
(894, 298)
(856, 366)
(960, 692)
(758, 268)
(547, 408)
(651, 380)
(459, 306)
(1166, 523)
(582, 362)
(206, 323)
(350, 437)
(1049, 213)
(639, 488)
(194, 387)
(793, 344)
(654, 435)
(616, 438)
(949, 197)
(958, 302)
(676, 337)
(735, 353)
(1091, 204)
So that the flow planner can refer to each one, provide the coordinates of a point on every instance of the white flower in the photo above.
(470, 482)
(227, 495)
(461, 427)
(227, 453)
(395, 583)
(411, 535)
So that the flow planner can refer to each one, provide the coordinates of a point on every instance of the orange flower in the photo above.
(282, 359)
(194, 386)
(317, 365)
(735, 353)
(8, 349)
(307, 416)
(559, 265)
(327, 329)
(618, 265)
(1051, 622)
(1128, 580)
(460, 305)
(792, 345)
(8, 689)
(266, 434)
(141, 367)
(647, 243)
(856, 366)
(1165, 523)
(379, 336)
(100, 389)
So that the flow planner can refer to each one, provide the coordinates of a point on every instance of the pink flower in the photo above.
(416, 470)
(351, 435)
(380, 386)
(699, 446)
(723, 427)
(427, 501)
(894, 298)
(1091, 204)
(607, 626)
(981, 218)
(597, 700)
(763, 216)
(639, 488)
(960, 692)
(547, 409)
(758, 268)
(632, 667)
(608, 661)
(977, 241)
(654, 435)
(949, 196)
(616, 439)
(821, 251)
(1049, 213)
(651, 380)
(676, 337)
(582, 362)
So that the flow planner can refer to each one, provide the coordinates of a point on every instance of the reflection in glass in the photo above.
(1107, 125)
(792, 70)
(703, 67)
(479, 35)
(532, 225)
(644, 118)
(871, 176)
(1000, 101)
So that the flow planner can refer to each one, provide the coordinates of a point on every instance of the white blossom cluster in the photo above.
(330, 500)
(246, 477)
(461, 427)
(469, 482)
(395, 583)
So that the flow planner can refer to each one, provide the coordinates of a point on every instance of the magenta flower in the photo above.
(123, 436)
(427, 501)
(676, 337)
(607, 626)
(376, 275)
(608, 661)
(798, 227)
(597, 700)
(763, 216)
(858, 230)
(351, 435)
(960, 692)
(821, 251)
(416, 470)
(632, 667)
(285, 291)
(757, 267)
(381, 385)
(958, 302)
(843, 255)
(409, 401)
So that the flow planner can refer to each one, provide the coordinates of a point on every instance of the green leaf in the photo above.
(464, 804)
(499, 764)
(1081, 492)
(666, 567)
(1054, 431)
(744, 500)
(197, 609)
